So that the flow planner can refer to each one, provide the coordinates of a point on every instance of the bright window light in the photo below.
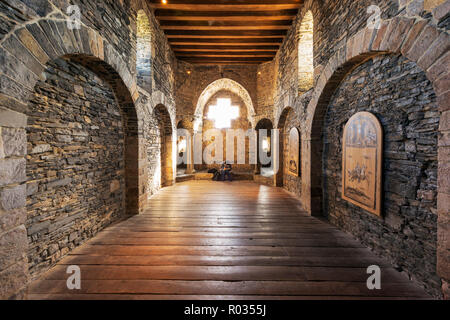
(182, 145)
(265, 145)
(223, 113)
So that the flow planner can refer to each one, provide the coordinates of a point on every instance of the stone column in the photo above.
(13, 234)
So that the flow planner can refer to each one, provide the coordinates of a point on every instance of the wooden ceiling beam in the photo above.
(222, 63)
(173, 15)
(206, 23)
(198, 42)
(208, 48)
(226, 54)
(228, 58)
(226, 33)
(224, 7)
(221, 28)
(180, 36)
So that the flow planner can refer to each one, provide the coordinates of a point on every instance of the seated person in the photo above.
(225, 171)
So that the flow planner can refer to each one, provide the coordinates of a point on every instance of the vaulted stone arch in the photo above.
(216, 86)
(419, 42)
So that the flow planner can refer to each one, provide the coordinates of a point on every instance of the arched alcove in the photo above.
(306, 53)
(264, 145)
(216, 86)
(283, 150)
(184, 147)
(81, 168)
(165, 144)
(238, 124)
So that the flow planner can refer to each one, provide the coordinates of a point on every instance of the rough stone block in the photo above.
(14, 142)
(442, 10)
(429, 5)
(443, 101)
(443, 258)
(15, 47)
(9, 108)
(12, 171)
(412, 36)
(423, 42)
(381, 34)
(15, 69)
(13, 279)
(446, 289)
(399, 32)
(438, 48)
(44, 43)
(444, 124)
(11, 219)
(13, 245)
(442, 85)
(115, 185)
(443, 203)
(13, 198)
(415, 7)
(444, 178)
(30, 43)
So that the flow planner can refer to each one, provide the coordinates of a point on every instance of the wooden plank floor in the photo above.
(221, 240)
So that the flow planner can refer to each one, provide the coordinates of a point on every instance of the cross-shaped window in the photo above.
(222, 113)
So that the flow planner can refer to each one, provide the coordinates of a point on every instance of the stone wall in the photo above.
(398, 93)
(75, 162)
(340, 35)
(32, 34)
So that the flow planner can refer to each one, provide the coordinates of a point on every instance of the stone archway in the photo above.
(280, 154)
(420, 43)
(219, 85)
(185, 131)
(21, 69)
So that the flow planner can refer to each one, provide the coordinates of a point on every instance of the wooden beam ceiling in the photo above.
(225, 31)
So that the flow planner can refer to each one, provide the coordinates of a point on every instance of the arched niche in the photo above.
(166, 146)
(264, 145)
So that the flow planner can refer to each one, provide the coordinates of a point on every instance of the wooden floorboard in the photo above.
(211, 240)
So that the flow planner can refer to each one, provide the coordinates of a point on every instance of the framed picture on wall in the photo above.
(362, 162)
(294, 152)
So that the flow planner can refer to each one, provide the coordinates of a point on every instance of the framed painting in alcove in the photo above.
(362, 162)
(294, 152)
